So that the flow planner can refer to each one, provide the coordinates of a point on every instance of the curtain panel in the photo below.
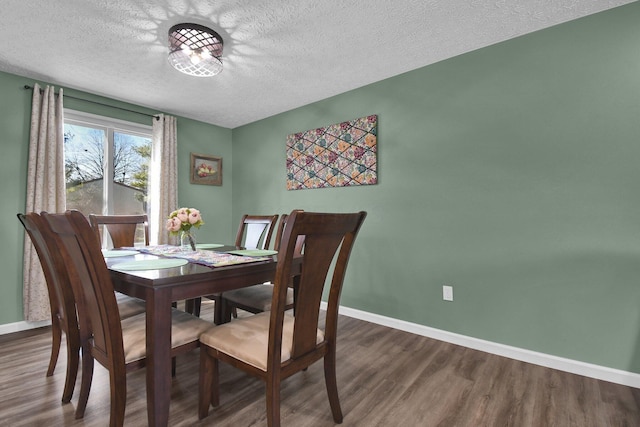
(45, 189)
(163, 177)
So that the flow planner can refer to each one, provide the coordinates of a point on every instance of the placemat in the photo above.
(112, 253)
(149, 264)
(253, 252)
(208, 245)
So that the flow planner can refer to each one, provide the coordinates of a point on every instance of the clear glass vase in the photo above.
(187, 241)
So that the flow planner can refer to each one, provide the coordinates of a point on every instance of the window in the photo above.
(96, 147)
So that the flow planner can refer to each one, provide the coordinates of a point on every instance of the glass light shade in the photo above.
(195, 50)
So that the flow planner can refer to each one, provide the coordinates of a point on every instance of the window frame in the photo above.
(110, 126)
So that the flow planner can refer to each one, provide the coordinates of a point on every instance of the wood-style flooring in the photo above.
(386, 378)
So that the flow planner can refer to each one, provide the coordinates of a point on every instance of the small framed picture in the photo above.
(206, 170)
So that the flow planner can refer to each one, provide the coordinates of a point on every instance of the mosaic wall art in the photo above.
(340, 155)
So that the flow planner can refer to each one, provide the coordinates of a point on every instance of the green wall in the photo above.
(15, 113)
(510, 173)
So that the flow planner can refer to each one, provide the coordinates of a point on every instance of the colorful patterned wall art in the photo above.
(340, 155)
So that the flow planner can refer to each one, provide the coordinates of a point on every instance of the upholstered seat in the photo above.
(248, 340)
(254, 299)
(185, 328)
(129, 306)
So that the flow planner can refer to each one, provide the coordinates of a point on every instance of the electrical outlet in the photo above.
(447, 293)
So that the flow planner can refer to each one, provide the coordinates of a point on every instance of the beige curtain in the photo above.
(163, 177)
(45, 189)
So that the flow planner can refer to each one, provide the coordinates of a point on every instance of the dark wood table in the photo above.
(159, 288)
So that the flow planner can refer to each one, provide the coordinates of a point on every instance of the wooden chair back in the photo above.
(61, 298)
(255, 231)
(60, 294)
(279, 234)
(280, 231)
(325, 237)
(98, 314)
(123, 229)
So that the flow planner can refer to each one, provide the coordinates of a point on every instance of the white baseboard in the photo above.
(604, 373)
(22, 326)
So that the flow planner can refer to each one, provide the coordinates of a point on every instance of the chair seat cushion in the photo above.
(185, 328)
(257, 296)
(129, 306)
(247, 339)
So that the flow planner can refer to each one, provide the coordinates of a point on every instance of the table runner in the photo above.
(204, 257)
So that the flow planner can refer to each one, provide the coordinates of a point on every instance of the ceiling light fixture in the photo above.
(195, 50)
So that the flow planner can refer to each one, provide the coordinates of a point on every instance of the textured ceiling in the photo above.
(278, 54)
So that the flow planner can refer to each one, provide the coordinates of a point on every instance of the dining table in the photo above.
(161, 287)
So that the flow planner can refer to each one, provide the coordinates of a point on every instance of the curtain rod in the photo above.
(100, 103)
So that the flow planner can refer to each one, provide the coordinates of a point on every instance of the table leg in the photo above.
(158, 366)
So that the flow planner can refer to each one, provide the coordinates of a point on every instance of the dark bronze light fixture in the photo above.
(195, 50)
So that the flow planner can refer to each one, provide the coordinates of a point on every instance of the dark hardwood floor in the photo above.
(385, 378)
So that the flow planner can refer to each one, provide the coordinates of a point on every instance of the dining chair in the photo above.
(123, 229)
(254, 232)
(118, 345)
(274, 345)
(62, 300)
(256, 299)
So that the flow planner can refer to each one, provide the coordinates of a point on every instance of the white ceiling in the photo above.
(278, 54)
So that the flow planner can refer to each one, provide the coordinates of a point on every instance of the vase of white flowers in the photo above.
(181, 223)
